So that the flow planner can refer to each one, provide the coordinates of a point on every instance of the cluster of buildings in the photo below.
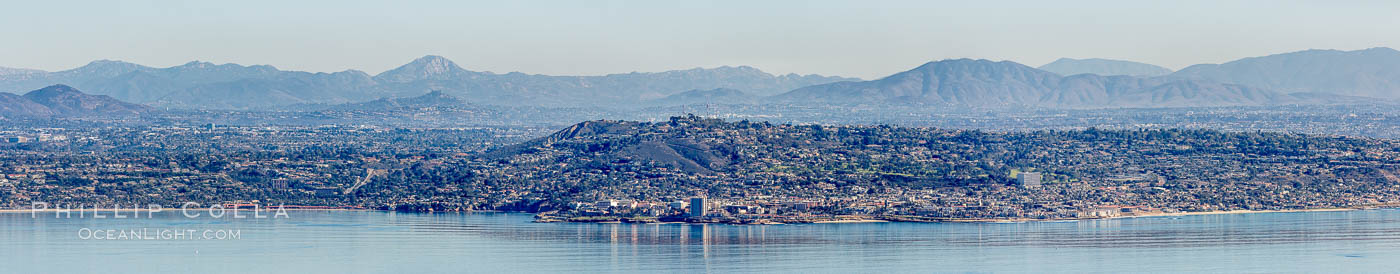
(40, 137)
(963, 175)
(746, 171)
(300, 165)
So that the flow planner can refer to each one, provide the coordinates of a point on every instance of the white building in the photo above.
(1029, 179)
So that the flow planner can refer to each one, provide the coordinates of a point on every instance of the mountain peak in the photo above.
(101, 62)
(54, 90)
(1105, 67)
(424, 68)
(964, 62)
(969, 82)
(1380, 50)
(739, 68)
(197, 64)
(107, 68)
(1329, 52)
(431, 58)
(19, 71)
(65, 100)
(435, 64)
(105, 63)
(720, 70)
(435, 98)
(55, 93)
(999, 84)
(1368, 72)
(973, 66)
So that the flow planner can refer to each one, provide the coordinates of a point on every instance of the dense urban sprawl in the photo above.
(744, 171)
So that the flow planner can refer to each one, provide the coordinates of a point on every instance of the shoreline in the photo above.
(846, 220)
(852, 221)
(75, 210)
(1163, 214)
(908, 219)
(1159, 214)
(1245, 211)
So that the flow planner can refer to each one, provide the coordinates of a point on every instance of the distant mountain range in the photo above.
(432, 99)
(18, 71)
(61, 100)
(1105, 67)
(232, 86)
(202, 84)
(1371, 72)
(1306, 77)
(983, 83)
(437, 73)
(710, 96)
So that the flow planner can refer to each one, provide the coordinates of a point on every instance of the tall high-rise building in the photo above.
(1028, 179)
(697, 207)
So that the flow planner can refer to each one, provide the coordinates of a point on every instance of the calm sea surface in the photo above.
(386, 242)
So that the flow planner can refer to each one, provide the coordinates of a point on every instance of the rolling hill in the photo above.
(989, 84)
(61, 100)
(1371, 72)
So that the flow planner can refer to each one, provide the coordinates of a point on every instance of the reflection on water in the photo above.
(379, 242)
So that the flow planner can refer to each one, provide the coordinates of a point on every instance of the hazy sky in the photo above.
(866, 39)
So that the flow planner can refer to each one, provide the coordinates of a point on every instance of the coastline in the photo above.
(914, 219)
(833, 220)
(851, 221)
(51, 210)
(1246, 211)
(1160, 214)
(1171, 214)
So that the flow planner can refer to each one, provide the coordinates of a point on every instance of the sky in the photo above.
(866, 39)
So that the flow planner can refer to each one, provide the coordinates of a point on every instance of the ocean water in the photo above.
(388, 242)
